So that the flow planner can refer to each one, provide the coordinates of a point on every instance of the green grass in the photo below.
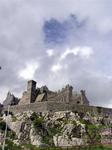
(11, 146)
(77, 148)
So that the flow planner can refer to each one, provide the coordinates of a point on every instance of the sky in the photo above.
(57, 42)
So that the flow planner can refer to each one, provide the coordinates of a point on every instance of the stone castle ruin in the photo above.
(37, 95)
(42, 99)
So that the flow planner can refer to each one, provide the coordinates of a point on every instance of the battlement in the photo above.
(42, 99)
(34, 95)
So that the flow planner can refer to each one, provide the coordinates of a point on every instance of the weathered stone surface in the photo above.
(29, 95)
(10, 100)
(13, 123)
(1, 138)
(63, 128)
(32, 95)
(41, 97)
(42, 100)
(35, 138)
(65, 141)
(61, 118)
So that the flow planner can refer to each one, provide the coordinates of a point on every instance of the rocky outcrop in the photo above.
(1, 138)
(64, 128)
(35, 138)
(65, 141)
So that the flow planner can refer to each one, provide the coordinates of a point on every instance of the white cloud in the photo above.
(84, 52)
(29, 71)
(50, 52)
(55, 68)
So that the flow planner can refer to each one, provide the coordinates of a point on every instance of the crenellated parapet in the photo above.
(42, 99)
(34, 94)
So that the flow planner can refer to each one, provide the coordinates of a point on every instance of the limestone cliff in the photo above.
(63, 128)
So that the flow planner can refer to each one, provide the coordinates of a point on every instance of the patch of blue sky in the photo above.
(57, 32)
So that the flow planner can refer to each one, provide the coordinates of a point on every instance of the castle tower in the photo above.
(31, 89)
(84, 99)
(68, 93)
(29, 95)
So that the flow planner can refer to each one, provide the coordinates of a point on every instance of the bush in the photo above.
(11, 146)
(11, 134)
(2, 125)
(93, 133)
(33, 116)
(37, 121)
(14, 119)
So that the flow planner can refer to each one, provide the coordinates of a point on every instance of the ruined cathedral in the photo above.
(36, 95)
(66, 95)
(42, 99)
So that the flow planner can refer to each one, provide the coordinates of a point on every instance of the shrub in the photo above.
(33, 116)
(37, 121)
(2, 125)
(11, 134)
(11, 146)
(93, 133)
(14, 119)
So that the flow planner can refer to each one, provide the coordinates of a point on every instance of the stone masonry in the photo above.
(66, 95)
(29, 95)
(42, 99)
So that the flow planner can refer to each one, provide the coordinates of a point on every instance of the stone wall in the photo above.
(55, 106)
(65, 95)
(40, 107)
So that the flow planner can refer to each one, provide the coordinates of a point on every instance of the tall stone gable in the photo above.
(29, 95)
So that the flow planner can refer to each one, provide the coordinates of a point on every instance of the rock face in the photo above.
(65, 141)
(64, 128)
(1, 138)
(10, 100)
(1, 107)
(35, 138)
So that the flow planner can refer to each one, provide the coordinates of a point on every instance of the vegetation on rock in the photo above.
(59, 129)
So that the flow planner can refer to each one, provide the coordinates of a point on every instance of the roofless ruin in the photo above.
(42, 99)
